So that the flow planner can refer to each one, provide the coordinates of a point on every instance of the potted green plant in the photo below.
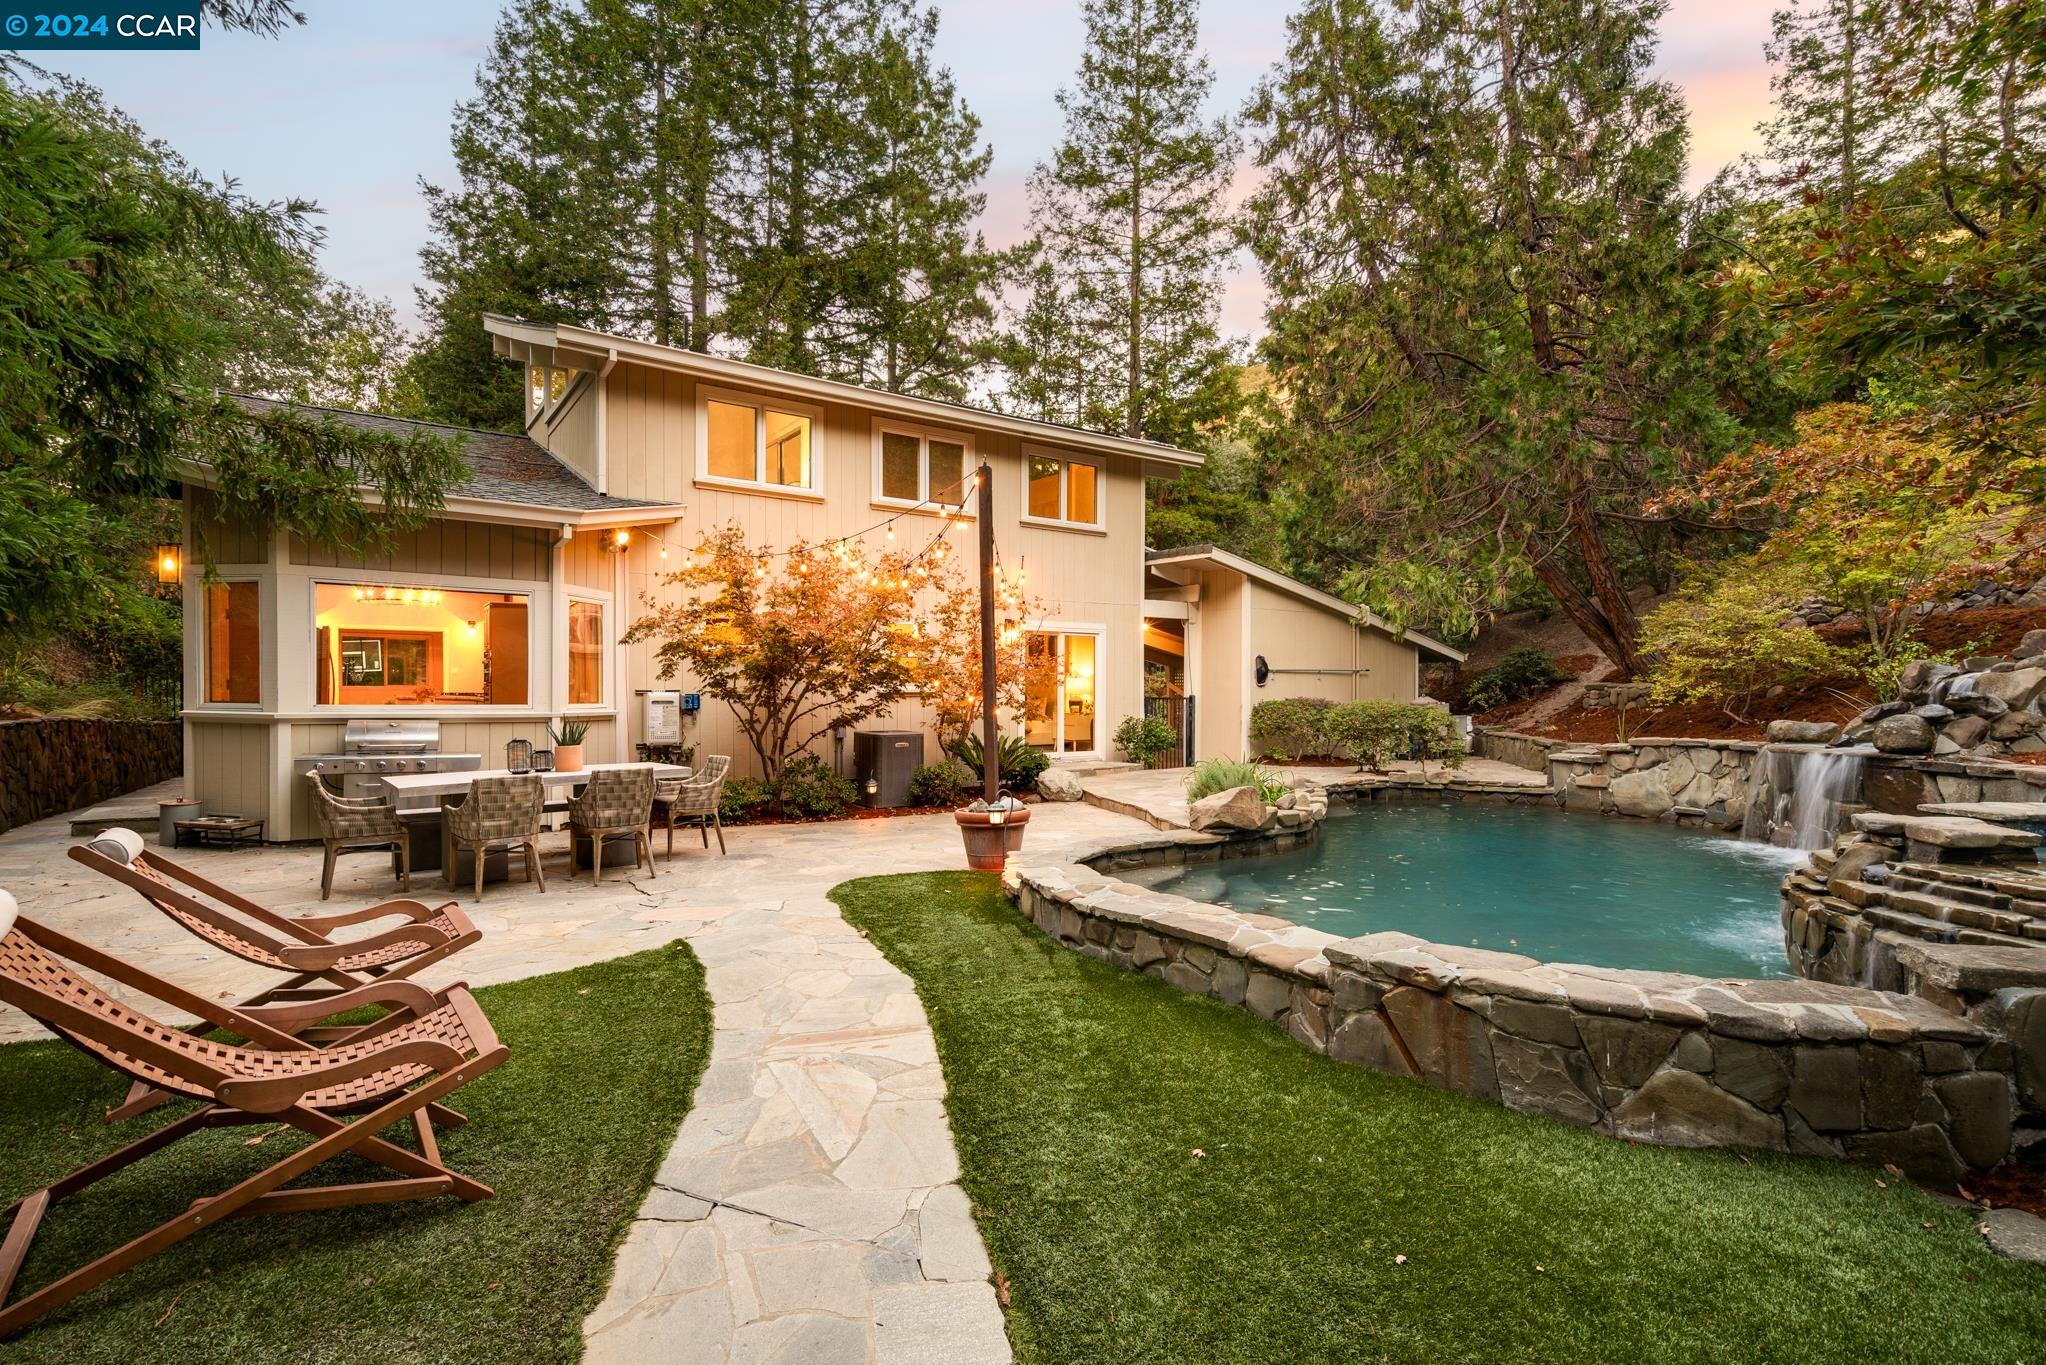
(568, 744)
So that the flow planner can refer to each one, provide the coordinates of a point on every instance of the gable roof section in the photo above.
(1293, 587)
(578, 348)
(499, 469)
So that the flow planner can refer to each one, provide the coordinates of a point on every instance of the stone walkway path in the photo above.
(809, 1209)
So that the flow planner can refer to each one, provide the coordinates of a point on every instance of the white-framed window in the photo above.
(545, 387)
(234, 642)
(1063, 489)
(914, 464)
(750, 441)
(587, 646)
(1062, 687)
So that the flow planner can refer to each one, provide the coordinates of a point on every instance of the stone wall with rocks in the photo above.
(50, 765)
(1678, 1060)
(1981, 708)
(1682, 781)
(1948, 905)
(1510, 746)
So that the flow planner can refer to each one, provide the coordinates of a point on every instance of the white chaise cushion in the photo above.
(122, 845)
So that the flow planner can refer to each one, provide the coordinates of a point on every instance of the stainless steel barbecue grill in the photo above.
(373, 749)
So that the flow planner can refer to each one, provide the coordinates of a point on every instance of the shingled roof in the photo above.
(499, 467)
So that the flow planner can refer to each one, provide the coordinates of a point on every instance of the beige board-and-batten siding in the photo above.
(1080, 578)
(1313, 651)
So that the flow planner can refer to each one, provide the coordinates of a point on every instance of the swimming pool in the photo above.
(1563, 888)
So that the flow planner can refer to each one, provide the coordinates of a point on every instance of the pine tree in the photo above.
(1835, 136)
(532, 229)
(790, 181)
(1055, 370)
(1131, 215)
(920, 287)
(1488, 305)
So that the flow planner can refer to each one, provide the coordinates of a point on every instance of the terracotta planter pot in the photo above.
(988, 845)
(568, 758)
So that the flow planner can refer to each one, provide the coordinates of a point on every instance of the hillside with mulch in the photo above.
(1560, 712)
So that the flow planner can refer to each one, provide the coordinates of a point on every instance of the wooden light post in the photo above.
(991, 827)
(984, 524)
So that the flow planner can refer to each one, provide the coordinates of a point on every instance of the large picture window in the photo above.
(1063, 490)
(913, 465)
(380, 644)
(234, 644)
(757, 443)
(585, 653)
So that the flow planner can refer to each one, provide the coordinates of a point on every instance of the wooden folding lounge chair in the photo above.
(341, 1096)
(317, 964)
(319, 968)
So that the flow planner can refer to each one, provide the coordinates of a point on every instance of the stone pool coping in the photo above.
(1661, 1057)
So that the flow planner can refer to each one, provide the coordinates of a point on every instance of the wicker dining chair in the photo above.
(349, 823)
(615, 803)
(693, 801)
(499, 812)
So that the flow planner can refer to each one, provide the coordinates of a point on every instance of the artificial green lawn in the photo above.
(569, 1132)
(1083, 1096)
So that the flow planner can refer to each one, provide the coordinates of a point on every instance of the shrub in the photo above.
(1516, 677)
(936, 784)
(1018, 762)
(1372, 734)
(1291, 728)
(741, 800)
(1212, 775)
(1145, 739)
(1727, 640)
(809, 790)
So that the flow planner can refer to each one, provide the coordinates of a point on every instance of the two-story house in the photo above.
(508, 610)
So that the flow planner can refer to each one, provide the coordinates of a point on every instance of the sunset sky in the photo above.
(353, 109)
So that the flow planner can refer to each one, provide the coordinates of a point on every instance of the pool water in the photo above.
(1562, 888)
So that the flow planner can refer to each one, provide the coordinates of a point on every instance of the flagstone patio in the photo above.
(809, 1208)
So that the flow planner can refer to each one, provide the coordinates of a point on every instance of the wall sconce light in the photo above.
(170, 565)
(619, 540)
(471, 625)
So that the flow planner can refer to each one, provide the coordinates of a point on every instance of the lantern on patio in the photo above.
(518, 755)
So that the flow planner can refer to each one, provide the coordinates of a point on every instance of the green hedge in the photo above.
(1370, 734)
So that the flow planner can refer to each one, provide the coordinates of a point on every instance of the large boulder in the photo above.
(2016, 689)
(1920, 676)
(1238, 808)
(1906, 734)
(1056, 784)
(1802, 732)
(2033, 646)
(1643, 793)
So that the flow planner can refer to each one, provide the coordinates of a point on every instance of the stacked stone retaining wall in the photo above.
(1680, 781)
(1653, 1056)
(49, 765)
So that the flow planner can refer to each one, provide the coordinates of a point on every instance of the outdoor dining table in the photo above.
(405, 787)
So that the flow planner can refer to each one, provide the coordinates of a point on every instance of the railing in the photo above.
(1178, 714)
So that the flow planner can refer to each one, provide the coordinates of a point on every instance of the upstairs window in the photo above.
(757, 443)
(1064, 490)
(917, 465)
